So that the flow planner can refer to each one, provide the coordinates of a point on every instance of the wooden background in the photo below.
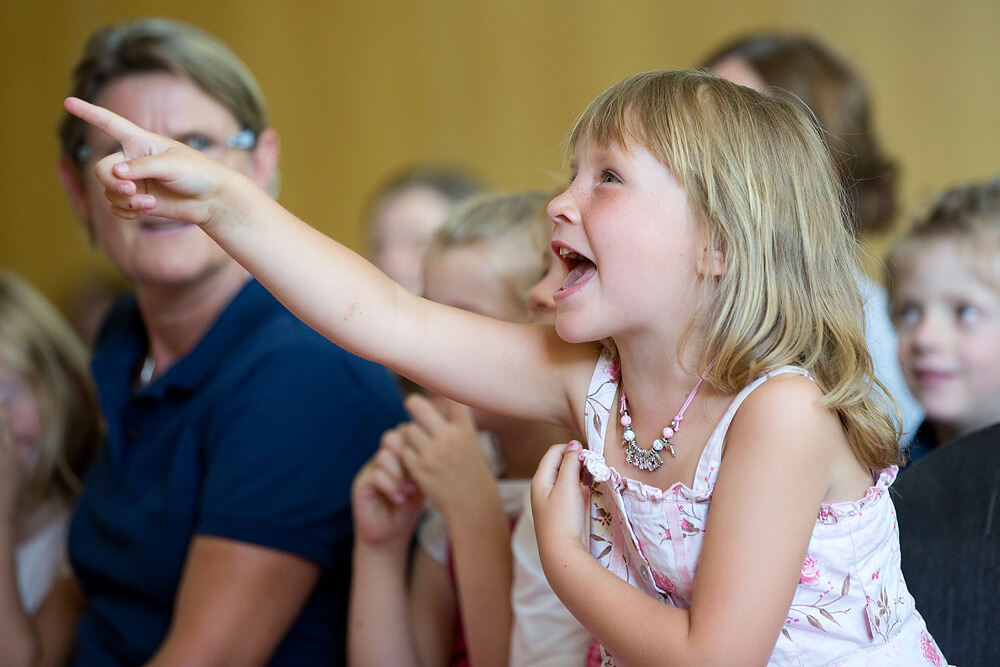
(359, 89)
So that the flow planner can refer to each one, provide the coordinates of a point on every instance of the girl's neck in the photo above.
(656, 369)
(177, 317)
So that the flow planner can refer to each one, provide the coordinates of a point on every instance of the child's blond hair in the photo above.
(39, 344)
(759, 179)
(517, 219)
(968, 215)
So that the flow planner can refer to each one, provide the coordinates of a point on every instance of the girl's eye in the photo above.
(967, 314)
(906, 315)
(608, 176)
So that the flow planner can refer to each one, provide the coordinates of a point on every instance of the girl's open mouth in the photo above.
(578, 268)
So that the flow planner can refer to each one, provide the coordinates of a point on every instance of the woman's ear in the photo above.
(712, 263)
(264, 161)
(76, 191)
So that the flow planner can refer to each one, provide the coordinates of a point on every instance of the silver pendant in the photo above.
(643, 459)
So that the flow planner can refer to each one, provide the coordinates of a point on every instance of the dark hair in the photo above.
(805, 71)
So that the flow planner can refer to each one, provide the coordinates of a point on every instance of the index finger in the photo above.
(107, 121)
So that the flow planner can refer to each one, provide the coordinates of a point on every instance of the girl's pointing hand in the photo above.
(152, 175)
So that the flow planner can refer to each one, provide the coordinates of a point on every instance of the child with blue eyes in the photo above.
(944, 294)
(708, 344)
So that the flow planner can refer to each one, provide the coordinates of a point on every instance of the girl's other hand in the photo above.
(386, 504)
(152, 174)
(558, 502)
(443, 453)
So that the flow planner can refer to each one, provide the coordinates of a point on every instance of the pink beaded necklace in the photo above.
(650, 459)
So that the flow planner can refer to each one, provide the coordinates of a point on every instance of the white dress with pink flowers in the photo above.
(851, 606)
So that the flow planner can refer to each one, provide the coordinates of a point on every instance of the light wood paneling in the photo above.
(360, 89)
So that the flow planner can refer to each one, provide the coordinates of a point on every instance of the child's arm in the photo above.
(433, 608)
(512, 369)
(386, 509)
(442, 452)
(775, 473)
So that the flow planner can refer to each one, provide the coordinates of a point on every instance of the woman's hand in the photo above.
(153, 174)
(558, 504)
(386, 504)
(443, 454)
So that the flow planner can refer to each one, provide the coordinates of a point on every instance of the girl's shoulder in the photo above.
(785, 408)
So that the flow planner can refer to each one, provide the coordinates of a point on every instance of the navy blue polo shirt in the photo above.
(254, 436)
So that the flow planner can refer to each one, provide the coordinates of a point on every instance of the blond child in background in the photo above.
(472, 466)
(50, 427)
(944, 286)
(710, 276)
(403, 213)
(944, 291)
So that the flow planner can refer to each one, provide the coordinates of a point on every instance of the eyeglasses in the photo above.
(243, 140)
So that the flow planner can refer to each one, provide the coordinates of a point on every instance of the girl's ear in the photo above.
(712, 263)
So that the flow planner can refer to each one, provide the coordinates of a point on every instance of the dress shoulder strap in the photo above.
(597, 409)
(711, 457)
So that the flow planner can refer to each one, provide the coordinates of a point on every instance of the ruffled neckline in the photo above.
(598, 468)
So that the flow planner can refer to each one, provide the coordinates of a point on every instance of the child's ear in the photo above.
(712, 263)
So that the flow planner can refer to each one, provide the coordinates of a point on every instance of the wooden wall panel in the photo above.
(360, 89)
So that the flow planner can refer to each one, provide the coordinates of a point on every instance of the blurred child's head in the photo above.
(761, 188)
(46, 395)
(486, 257)
(805, 71)
(944, 294)
(403, 214)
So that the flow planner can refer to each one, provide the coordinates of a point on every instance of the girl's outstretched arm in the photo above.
(517, 370)
(782, 450)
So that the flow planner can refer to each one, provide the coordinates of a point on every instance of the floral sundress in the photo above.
(851, 606)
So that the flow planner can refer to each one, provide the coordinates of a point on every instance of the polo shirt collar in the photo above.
(251, 306)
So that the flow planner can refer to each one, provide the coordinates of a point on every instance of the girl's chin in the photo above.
(571, 333)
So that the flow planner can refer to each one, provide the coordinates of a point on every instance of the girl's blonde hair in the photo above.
(38, 343)
(517, 219)
(759, 179)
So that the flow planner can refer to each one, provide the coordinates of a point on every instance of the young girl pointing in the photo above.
(709, 345)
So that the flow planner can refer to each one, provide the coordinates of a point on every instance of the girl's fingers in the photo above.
(130, 206)
(387, 485)
(547, 472)
(558, 463)
(414, 438)
(388, 460)
(424, 412)
(101, 118)
(569, 467)
(458, 413)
